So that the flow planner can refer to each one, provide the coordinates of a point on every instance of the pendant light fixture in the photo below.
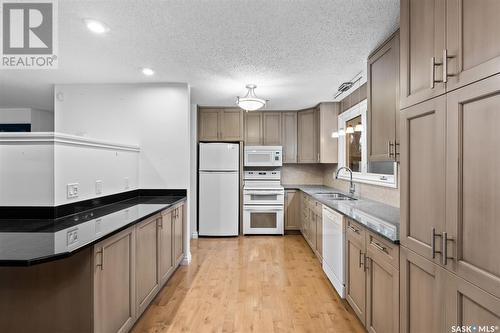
(250, 102)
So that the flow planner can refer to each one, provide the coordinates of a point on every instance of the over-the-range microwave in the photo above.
(263, 156)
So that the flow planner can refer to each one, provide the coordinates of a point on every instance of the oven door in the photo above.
(263, 220)
(263, 197)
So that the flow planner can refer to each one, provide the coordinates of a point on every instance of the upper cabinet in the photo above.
(220, 124)
(271, 128)
(422, 44)
(383, 101)
(446, 44)
(253, 128)
(308, 136)
(289, 136)
(328, 123)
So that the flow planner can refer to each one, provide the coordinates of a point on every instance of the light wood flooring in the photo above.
(249, 284)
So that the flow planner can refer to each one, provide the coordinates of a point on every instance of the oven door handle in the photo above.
(263, 208)
(263, 192)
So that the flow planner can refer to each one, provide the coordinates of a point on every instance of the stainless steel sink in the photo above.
(334, 196)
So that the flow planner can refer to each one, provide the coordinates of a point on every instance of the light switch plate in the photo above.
(98, 187)
(72, 190)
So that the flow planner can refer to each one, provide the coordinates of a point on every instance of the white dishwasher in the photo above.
(334, 249)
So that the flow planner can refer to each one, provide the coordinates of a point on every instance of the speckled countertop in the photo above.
(375, 216)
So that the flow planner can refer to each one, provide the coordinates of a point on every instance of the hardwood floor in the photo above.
(249, 284)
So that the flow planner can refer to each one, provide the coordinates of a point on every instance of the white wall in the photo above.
(152, 116)
(193, 170)
(40, 120)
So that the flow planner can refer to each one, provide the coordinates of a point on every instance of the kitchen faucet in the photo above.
(352, 189)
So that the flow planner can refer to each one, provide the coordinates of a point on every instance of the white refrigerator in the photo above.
(219, 190)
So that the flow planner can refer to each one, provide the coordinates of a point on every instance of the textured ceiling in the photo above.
(296, 51)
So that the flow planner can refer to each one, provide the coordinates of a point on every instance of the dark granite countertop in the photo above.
(25, 242)
(380, 218)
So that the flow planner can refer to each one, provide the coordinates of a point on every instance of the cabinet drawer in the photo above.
(382, 249)
(356, 232)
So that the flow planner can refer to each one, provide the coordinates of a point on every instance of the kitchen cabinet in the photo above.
(355, 274)
(271, 128)
(178, 240)
(422, 294)
(253, 128)
(224, 124)
(472, 48)
(328, 123)
(307, 136)
(472, 179)
(423, 175)
(383, 101)
(312, 224)
(422, 32)
(146, 267)
(289, 136)
(382, 285)
(445, 45)
(114, 283)
(165, 246)
(292, 210)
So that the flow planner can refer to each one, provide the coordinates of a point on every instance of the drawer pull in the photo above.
(101, 262)
(354, 229)
(380, 247)
(444, 247)
(433, 242)
(361, 255)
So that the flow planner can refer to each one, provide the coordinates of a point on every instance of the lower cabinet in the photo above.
(131, 267)
(292, 210)
(114, 283)
(312, 224)
(372, 279)
(436, 300)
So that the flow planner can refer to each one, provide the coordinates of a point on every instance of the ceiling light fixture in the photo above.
(148, 71)
(349, 129)
(96, 26)
(358, 128)
(250, 102)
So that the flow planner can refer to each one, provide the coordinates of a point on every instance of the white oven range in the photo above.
(263, 202)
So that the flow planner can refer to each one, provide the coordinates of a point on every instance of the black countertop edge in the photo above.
(59, 256)
(333, 207)
(41, 212)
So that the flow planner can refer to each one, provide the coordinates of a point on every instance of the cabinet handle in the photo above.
(354, 229)
(366, 260)
(445, 241)
(396, 151)
(379, 247)
(389, 148)
(101, 262)
(361, 255)
(433, 71)
(433, 242)
(445, 65)
(160, 223)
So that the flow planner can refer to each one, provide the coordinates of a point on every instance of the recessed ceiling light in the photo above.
(148, 71)
(96, 26)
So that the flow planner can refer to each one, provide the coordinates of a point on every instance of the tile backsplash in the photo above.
(302, 174)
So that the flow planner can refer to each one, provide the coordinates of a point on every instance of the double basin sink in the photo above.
(333, 196)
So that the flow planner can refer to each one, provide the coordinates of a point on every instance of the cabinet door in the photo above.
(422, 295)
(423, 129)
(312, 229)
(319, 236)
(307, 136)
(355, 275)
(382, 294)
(165, 245)
(178, 234)
(289, 136)
(114, 283)
(383, 101)
(146, 270)
(473, 180)
(231, 125)
(303, 214)
(292, 210)
(253, 128)
(422, 38)
(271, 128)
(469, 306)
(208, 127)
(472, 32)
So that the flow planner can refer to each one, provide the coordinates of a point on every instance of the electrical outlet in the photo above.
(98, 186)
(72, 190)
(127, 183)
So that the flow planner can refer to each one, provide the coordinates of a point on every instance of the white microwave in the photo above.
(263, 156)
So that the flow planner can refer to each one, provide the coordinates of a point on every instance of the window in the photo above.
(353, 152)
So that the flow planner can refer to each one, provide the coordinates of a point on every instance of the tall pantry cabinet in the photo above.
(450, 270)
